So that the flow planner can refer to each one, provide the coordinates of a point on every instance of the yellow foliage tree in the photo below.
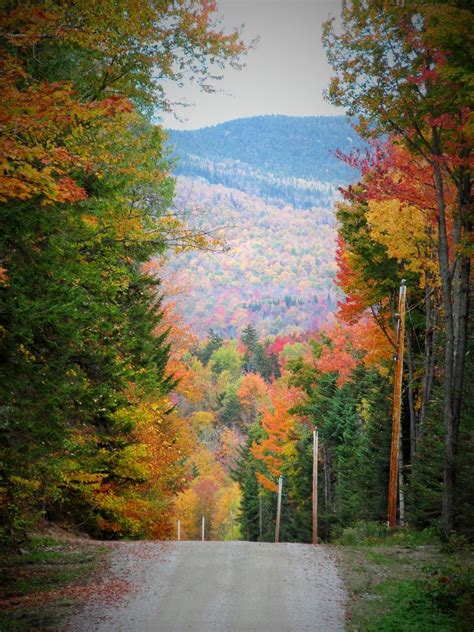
(408, 233)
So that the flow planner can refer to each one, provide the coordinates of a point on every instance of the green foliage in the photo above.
(404, 582)
(256, 359)
(362, 533)
(258, 506)
(249, 337)
(231, 411)
(425, 485)
(354, 443)
(465, 457)
(368, 534)
(411, 609)
(378, 271)
(441, 601)
(297, 510)
(244, 474)
(354, 448)
(456, 543)
(226, 358)
(83, 209)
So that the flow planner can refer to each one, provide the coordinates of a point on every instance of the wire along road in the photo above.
(215, 587)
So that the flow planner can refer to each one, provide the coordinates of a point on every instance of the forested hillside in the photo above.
(403, 222)
(284, 159)
(266, 186)
(276, 272)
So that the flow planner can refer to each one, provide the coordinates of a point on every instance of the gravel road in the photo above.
(216, 587)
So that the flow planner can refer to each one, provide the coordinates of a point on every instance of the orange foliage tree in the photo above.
(277, 425)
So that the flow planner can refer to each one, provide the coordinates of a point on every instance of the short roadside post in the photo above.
(315, 486)
(179, 530)
(203, 526)
(277, 527)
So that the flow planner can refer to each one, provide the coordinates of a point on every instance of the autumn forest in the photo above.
(179, 311)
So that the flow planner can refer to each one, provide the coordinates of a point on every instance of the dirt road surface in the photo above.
(216, 587)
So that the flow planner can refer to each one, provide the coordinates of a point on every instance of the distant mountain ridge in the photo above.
(268, 185)
(283, 159)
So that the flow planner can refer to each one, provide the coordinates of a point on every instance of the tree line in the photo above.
(89, 433)
(403, 74)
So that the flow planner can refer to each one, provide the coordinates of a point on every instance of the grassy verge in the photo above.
(407, 587)
(44, 581)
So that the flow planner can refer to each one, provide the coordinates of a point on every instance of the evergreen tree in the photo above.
(231, 412)
(258, 505)
(214, 342)
(250, 339)
(244, 473)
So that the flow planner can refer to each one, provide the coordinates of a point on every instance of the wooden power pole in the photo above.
(277, 527)
(315, 486)
(397, 410)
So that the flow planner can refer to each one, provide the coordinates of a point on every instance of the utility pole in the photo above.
(179, 530)
(203, 526)
(397, 410)
(315, 486)
(401, 491)
(277, 528)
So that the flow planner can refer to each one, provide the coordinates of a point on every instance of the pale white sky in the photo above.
(285, 74)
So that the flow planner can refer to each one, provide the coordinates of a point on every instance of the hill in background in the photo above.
(269, 183)
(284, 159)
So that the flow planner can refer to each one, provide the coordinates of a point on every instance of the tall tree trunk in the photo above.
(455, 292)
(431, 307)
(327, 478)
(449, 437)
(461, 288)
(411, 394)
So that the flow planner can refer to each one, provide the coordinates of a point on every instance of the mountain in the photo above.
(276, 274)
(268, 185)
(283, 159)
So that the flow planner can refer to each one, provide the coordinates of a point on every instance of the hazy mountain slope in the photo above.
(281, 158)
(299, 147)
(278, 271)
(271, 183)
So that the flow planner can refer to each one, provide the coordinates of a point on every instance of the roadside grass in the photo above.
(43, 581)
(401, 585)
